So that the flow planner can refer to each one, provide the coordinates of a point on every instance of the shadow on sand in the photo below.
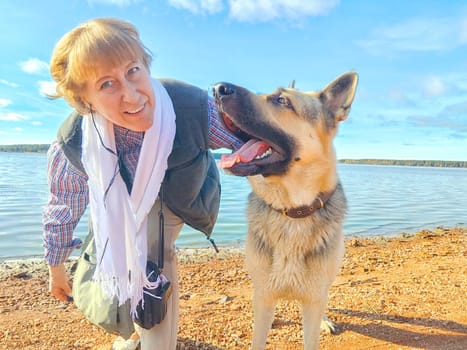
(427, 333)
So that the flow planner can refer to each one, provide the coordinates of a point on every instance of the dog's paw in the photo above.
(327, 326)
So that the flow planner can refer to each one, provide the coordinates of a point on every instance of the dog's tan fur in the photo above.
(293, 258)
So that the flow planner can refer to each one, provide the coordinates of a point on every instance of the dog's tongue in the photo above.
(244, 154)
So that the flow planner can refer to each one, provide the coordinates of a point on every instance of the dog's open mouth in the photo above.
(266, 148)
(251, 150)
(253, 153)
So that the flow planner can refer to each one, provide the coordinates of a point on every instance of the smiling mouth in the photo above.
(136, 110)
(256, 151)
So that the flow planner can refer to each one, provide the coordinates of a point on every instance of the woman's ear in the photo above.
(87, 105)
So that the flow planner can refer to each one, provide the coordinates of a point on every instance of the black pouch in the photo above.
(152, 309)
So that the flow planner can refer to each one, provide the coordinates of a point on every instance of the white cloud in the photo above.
(451, 117)
(8, 83)
(34, 66)
(120, 3)
(266, 10)
(47, 87)
(12, 117)
(36, 123)
(4, 102)
(259, 10)
(417, 34)
(189, 5)
(198, 6)
(434, 86)
(212, 6)
(18, 129)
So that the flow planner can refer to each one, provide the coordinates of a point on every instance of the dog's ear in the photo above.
(338, 96)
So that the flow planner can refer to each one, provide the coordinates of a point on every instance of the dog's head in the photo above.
(283, 127)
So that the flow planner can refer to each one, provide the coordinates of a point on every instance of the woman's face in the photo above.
(123, 95)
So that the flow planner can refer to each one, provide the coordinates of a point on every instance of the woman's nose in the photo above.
(129, 91)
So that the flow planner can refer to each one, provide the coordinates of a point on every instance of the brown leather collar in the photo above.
(307, 210)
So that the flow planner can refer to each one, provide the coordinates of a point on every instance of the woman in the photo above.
(132, 142)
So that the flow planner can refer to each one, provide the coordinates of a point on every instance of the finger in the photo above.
(60, 294)
(67, 288)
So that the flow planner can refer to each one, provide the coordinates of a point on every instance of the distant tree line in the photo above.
(428, 163)
(42, 148)
(30, 148)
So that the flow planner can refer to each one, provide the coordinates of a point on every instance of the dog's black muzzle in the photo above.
(223, 89)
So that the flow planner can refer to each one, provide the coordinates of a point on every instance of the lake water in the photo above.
(383, 200)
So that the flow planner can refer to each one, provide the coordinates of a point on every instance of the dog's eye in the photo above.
(282, 100)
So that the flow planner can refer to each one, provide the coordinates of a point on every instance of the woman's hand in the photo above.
(59, 286)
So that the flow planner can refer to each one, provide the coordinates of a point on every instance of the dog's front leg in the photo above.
(312, 314)
(263, 316)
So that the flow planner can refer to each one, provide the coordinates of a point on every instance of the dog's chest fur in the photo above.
(290, 248)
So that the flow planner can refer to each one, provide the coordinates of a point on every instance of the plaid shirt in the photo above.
(68, 187)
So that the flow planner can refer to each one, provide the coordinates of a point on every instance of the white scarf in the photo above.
(119, 220)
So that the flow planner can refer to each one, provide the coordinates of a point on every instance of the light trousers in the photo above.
(163, 336)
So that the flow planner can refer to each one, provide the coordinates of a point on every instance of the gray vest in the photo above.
(191, 187)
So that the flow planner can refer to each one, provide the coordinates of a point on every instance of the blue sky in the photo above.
(411, 57)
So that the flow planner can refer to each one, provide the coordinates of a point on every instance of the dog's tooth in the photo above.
(267, 153)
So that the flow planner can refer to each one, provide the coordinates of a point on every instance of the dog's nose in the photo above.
(223, 89)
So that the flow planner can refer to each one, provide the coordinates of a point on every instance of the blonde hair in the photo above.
(95, 43)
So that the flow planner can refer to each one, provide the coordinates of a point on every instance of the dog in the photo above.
(295, 212)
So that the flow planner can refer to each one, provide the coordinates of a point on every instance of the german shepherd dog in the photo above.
(295, 212)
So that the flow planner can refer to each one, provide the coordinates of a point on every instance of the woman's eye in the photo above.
(106, 84)
(133, 70)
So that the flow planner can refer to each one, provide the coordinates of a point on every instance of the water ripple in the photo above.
(382, 200)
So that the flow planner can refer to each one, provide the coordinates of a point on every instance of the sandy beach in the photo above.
(406, 292)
